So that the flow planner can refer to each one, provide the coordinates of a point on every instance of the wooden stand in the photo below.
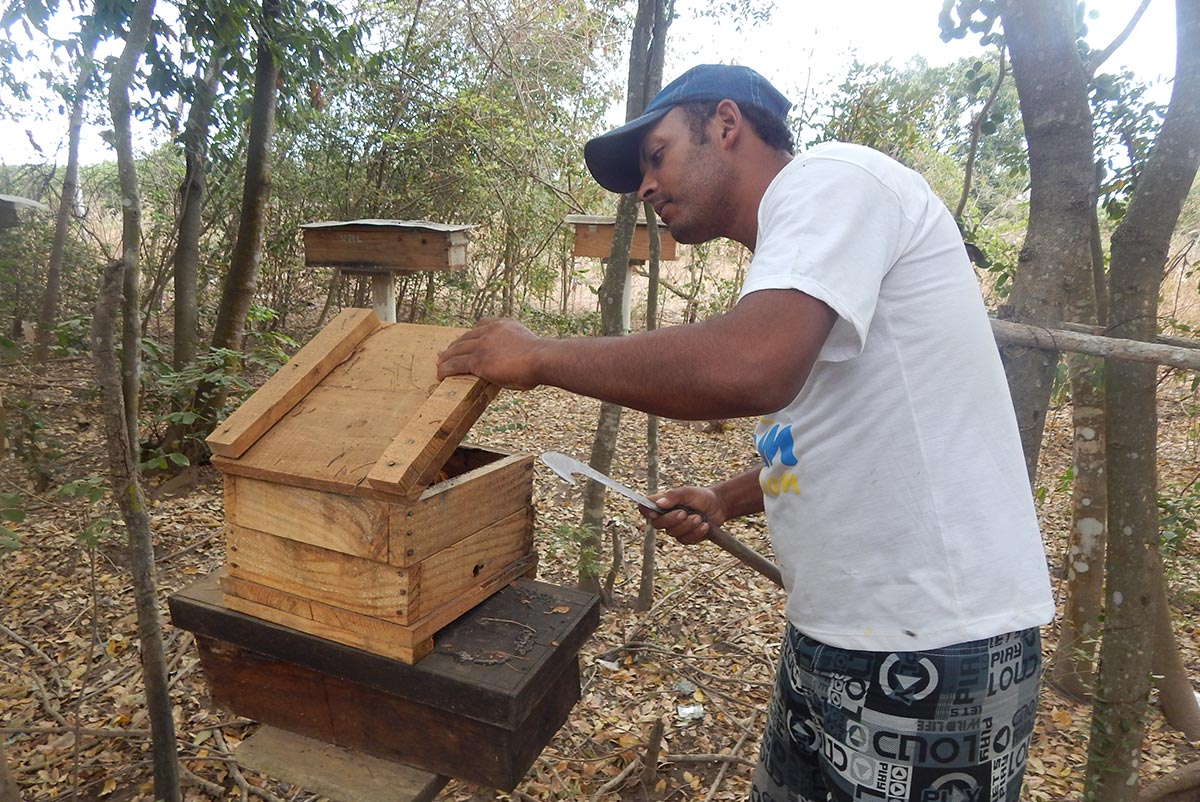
(499, 683)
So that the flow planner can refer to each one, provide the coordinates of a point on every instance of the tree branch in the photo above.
(1098, 57)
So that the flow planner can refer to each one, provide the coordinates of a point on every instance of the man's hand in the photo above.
(687, 527)
(497, 349)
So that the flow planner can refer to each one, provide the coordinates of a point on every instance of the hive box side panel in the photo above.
(406, 643)
(402, 533)
(451, 510)
(345, 524)
(453, 571)
(377, 589)
(293, 381)
(345, 713)
(352, 583)
(595, 240)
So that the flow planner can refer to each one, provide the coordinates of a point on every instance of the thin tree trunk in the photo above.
(131, 211)
(237, 293)
(647, 46)
(645, 597)
(8, 787)
(1139, 254)
(127, 491)
(976, 131)
(1079, 632)
(1175, 693)
(335, 282)
(1074, 665)
(48, 316)
(1053, 272)
(604, 446)
(191, 222)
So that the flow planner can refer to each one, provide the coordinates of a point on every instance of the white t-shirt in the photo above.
(894, 483)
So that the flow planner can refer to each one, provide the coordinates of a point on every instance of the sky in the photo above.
(806, 44)
(811, 43)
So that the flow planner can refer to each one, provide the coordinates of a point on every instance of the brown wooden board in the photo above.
(345, 524)
(595, 240)
(464, 458)
(450, 678)
(343, 775)
(332, 438)
(406, 643)
(411, 461)
(282, 391)
(450, 510)
(349, 714)
(400, 532)
(377, 589)
(390, 248)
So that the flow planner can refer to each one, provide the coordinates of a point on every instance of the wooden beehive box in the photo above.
(594, 234)
(353, 511)
(386, 245)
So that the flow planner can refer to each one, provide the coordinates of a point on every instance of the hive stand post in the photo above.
(343, 775)
(383, 296)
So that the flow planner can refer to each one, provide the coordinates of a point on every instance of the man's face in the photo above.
(685, 179)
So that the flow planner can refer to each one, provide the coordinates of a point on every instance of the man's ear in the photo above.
(729, 122)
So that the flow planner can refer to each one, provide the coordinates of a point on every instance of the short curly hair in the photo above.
(770, 129)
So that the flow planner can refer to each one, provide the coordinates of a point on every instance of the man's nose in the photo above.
(647, 188)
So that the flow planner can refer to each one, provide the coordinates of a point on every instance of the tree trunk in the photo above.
(127, 491)
(647, 49)
(48, 316)
(1176, 696)
(1079, 632)
(1053, 272)
(1179, 786)
(1139, 253)
(1074, 665)
(8, 787)
(191, 193)
(611, 295)
(131, 211)
(238, 290)
(645, 597)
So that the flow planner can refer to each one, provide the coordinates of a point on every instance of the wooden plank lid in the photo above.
(362, 412)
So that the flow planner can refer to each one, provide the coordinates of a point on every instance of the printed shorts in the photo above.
(945, 725)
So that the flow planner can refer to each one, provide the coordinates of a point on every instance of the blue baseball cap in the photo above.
(613, 158)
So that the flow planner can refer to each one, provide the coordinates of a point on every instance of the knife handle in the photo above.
(744, 553)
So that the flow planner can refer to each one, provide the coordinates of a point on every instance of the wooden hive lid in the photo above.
(358, 409)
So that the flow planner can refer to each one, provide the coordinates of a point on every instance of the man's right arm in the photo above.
(732, 498)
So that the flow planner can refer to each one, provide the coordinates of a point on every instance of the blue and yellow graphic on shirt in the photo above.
(775, 444)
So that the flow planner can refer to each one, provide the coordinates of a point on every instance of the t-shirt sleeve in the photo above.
(830, 229)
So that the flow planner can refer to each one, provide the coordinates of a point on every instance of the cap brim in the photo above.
(614, 158)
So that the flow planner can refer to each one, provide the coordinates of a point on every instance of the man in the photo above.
(893, 480)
